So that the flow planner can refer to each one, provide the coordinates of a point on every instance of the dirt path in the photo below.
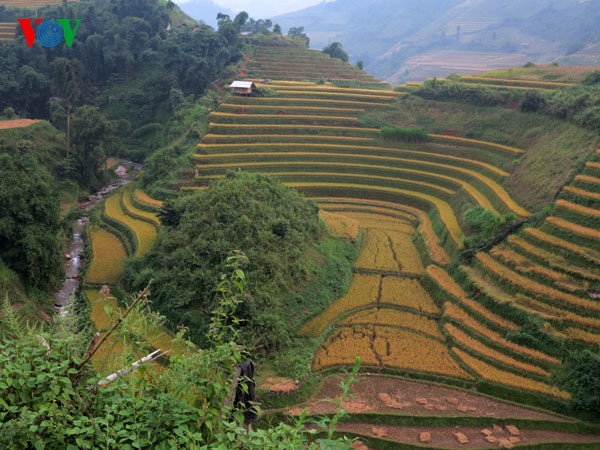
(386, 394)
(18, 123)
(472, 437)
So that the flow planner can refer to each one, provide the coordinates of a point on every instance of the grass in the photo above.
(108, 260)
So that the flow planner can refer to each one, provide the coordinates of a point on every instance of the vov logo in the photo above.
(49, 33)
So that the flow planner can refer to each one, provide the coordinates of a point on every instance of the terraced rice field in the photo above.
(108, 259)
(7, 31)
(407, 309)
(143, 229)
(34, 3)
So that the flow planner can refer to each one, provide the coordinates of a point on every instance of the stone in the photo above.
(513, 430)
(425, 437)
(385, 398)
(429, 407)
(497, 428)
(505, 443)
(514, 439)
(379, 432)
(452, 400)
(421, 401)
(462, 408)
(486, 432)
(461, 438)
(491, 439)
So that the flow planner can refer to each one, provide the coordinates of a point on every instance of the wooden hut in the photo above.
(242, 87)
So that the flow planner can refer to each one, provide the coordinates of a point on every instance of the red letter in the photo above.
(28, 30)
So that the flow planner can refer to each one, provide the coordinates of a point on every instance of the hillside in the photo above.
(503, 316)
(416, 40)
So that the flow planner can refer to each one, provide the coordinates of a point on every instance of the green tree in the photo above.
(29, 219)
(580, 375)
(335, 50)
(276, 29)
(271, 224)
(92, 134)
(298, 33)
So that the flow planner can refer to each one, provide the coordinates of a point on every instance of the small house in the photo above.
(243, 87)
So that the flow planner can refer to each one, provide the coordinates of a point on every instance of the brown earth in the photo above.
(278, 384)
(448, 437)
(18, 123)
(387, 394)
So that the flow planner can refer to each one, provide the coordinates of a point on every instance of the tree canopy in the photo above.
(335, 50)
(273, 225)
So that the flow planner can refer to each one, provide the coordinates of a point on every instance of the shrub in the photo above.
(400, 134)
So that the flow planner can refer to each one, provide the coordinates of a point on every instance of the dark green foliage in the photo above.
(271, 224)
(299, 34)
(401, 134)
(461, 92)
(580, 375)
(532, 101)
(335, 50)
(29, 219)
(592, 78)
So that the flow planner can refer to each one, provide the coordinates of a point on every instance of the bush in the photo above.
(580, 375)
(400, 134)
(532, 101)
(468, 93)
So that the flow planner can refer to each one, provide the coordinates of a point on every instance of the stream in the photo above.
(74, 251)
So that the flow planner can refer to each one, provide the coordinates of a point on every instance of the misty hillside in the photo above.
(204, 10)
(416, 39)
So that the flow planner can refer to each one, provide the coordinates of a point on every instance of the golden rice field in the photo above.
(444, 209)
(376, 220)
(476, 142)
(464, 340)
(134, 210)
(582, 193)
(479, 198)
(340, 225)
(362, 152)
(436, 252)
(491, 373)
(108, 260)
(460, 315)
(593, 165)
(389, 347)
(587, 179)
(263, 137)
(532, 305)
(388, 251)
(546, 238)
(446, 282)
(523, 264)
(407, 293)
(144, 232)
(552, 259)
(364, 291)
(532, 286)
(570, 206)
(143, 198)
(393, 318)
(577, 334)
(516, 82)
